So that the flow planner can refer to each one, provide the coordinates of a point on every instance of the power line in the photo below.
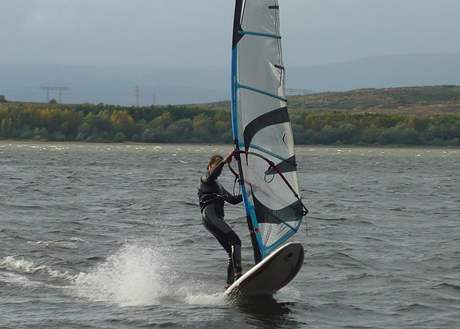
(58, 89)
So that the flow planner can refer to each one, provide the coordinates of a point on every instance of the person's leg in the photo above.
(228, 239)
(217, 227)
(235, 254)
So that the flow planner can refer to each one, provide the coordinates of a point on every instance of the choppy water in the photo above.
(110, 236)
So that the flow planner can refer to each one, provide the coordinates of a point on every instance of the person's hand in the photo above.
(228, 157)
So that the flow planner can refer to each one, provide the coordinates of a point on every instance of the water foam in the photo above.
(140, 275)
(22, 266)
(134, 276)
(17, 279)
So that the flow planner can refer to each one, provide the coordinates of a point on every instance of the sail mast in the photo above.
(252, 225)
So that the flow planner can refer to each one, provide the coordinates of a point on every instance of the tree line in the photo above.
(188, 124)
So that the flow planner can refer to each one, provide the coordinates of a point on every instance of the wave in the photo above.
(23, 206)
(17, 280)
(411, 307)
(328, 219)
(343, 260)
(22, 266)
(71, 243)
(372, 238)
(449, 289)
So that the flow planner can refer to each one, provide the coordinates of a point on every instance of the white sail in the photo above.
(261, 126)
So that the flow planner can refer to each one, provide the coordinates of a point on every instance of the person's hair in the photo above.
(214, 159)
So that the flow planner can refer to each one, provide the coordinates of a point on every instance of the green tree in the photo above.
(161, 122)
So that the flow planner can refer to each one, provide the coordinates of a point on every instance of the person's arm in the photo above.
(230, 198)
(228, 157)
(211, 176)
(216, 171)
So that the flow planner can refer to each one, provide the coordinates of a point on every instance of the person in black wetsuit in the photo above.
(212, 196)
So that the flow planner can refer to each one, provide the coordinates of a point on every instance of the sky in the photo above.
(185, 33)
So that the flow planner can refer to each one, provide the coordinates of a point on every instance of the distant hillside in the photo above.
(414, 100)
(410, 100)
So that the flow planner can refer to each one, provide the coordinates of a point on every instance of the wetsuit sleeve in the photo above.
(232, 199)
(214, 174)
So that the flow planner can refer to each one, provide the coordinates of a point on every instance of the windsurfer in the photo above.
(212, 196)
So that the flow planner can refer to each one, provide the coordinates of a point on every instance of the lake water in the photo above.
(110, 236)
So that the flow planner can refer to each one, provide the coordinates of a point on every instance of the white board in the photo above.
(271, 274)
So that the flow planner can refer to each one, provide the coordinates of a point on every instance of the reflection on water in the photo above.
(267, 312)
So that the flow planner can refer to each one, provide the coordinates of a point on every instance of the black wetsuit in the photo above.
(212, 197)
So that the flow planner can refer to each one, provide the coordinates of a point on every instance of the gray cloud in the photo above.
(181, 33)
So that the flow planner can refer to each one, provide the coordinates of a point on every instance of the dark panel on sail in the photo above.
(288, 165)
(265, 120)
(291, 213)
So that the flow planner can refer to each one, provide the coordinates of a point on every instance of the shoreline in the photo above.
(322, 146)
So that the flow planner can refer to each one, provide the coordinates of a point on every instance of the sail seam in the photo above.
(260, 34)
(260, 148)
(261, 92)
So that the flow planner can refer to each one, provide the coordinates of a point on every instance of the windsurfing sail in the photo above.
(261, 127)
